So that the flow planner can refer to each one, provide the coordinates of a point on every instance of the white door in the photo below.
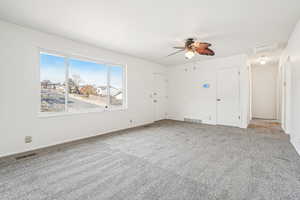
(228, 97)
(286, 96)
(160, 96)
(264, 91)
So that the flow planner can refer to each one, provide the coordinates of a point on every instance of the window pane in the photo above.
(87, 85)
(116, 86)
(52, 78)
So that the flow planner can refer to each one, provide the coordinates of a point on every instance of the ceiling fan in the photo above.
(192, 47)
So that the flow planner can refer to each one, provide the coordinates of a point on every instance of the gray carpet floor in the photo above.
(167, 160)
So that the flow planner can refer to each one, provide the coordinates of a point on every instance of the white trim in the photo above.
(240, 105)
(249, 71)
(67, 66)
(286, 95)
(125, 88)
(296, 146)
(62, 114)
(39, 81)
(77, 139)
(108, 87)
(278, 93)
(278, 98)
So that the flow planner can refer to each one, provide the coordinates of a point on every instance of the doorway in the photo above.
(264, 91)
(228, 97)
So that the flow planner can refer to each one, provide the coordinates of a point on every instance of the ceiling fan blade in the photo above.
(206, 52)
(179, 48)
(201, 45)
(175, 53)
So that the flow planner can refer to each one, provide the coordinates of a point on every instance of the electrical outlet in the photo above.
(28, 139)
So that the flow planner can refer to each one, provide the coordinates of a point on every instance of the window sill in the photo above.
(50, 115)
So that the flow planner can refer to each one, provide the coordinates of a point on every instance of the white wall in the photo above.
(293, 50)
(19, 97)
(187, 97)
(285, 85)
(264, 91)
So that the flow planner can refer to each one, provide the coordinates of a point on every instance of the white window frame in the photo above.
(67, 57)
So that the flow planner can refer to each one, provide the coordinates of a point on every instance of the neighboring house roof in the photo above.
(113, 91)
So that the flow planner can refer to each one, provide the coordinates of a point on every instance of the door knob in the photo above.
(154, 101)
(218, 99)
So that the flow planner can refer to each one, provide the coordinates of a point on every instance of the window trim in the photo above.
(67, 57)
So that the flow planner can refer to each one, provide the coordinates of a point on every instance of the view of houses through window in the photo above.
(75, 85)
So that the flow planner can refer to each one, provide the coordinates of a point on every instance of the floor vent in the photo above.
(197, 121)
(26, 156)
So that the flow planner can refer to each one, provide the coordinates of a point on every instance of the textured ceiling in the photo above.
(149, 29)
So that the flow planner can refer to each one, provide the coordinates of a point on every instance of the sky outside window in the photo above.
(53, 69)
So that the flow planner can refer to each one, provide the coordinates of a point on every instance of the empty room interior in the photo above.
(150, 100)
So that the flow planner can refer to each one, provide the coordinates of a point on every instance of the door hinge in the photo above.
(239, 73)
(239, 117)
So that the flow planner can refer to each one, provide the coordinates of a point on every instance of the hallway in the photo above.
(267, 126)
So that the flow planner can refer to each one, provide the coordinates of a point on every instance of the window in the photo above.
(53, 86)
(86, 80)
(116, 86)
(70, 84)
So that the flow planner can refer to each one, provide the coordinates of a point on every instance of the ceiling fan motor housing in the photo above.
(189, 42)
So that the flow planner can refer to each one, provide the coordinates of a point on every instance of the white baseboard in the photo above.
(74, 139)
(296, 144)
(181, 119)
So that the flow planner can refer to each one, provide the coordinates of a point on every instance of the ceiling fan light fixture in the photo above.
(263, 60)
(189, 54)
(192, 47)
